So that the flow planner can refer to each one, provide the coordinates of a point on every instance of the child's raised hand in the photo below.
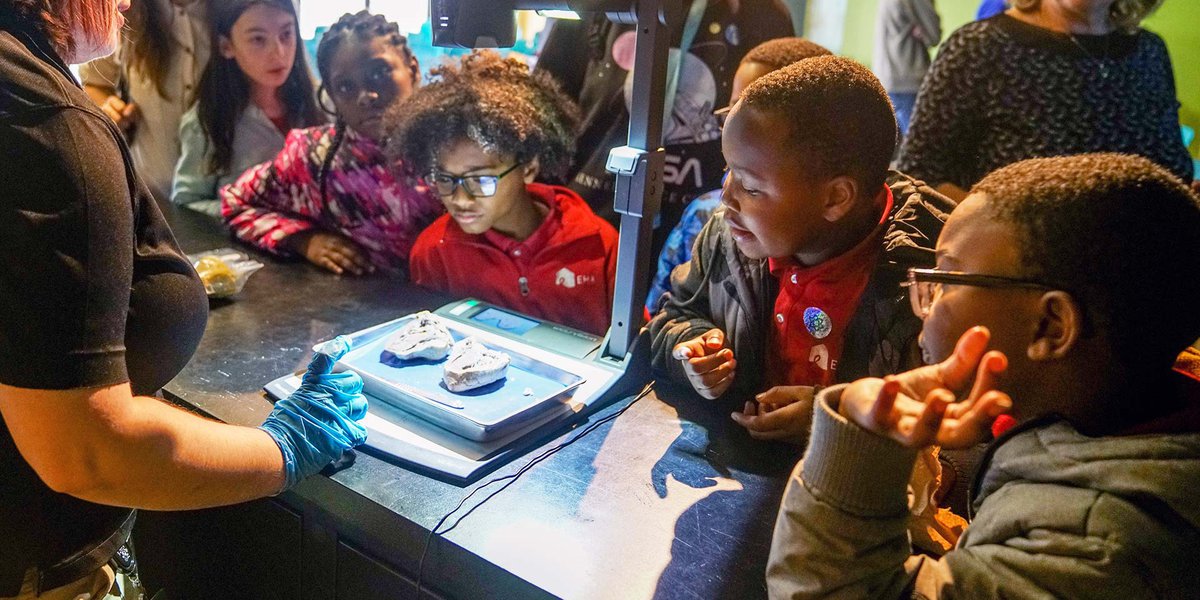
(918, 408)
(334, 252)
(709, 365)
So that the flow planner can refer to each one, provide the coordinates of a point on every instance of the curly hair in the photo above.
(363, 26)
(781, 52)
(1126, 15)
(494, 102)
(841, 119)
(1118, 233)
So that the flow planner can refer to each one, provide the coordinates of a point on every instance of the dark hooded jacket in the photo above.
(722, 288)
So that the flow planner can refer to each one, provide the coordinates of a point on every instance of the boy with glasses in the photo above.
(479, 135)
(1064, 290)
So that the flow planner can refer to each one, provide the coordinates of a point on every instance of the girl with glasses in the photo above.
(330, 195)
(480, 134)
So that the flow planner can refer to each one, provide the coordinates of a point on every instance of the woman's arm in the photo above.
(106, 445)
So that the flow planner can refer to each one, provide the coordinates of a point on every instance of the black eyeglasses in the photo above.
(476, 186)
(925, 285)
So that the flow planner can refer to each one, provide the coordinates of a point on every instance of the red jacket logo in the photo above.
(568, 279)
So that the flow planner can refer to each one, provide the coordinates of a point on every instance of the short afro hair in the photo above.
(781, 52)
(494, 102)
(1120, 234)
(842, 122)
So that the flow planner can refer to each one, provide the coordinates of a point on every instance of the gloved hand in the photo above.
(317, 423)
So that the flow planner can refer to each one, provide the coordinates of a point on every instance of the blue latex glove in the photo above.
(317, 423)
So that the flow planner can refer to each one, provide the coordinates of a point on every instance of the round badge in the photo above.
(817, 322)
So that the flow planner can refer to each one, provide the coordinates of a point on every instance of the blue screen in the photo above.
(504, 321)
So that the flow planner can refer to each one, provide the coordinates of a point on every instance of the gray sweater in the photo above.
(905, 30)
(1058, 515)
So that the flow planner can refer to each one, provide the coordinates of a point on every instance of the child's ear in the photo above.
(1059, 327)
(531, 170)
(840, 195)
(225, 46)
(415, 69)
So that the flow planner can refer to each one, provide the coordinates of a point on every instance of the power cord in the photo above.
(511, 479)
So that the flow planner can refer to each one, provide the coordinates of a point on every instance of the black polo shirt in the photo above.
(94, 290)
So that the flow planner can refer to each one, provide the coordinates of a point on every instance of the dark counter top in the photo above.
(669, 500)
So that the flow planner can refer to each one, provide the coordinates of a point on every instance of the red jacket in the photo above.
(562, 273)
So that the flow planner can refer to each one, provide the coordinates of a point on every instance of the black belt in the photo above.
(80, 564)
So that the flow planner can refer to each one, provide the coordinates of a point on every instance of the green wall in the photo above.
(1178, 22)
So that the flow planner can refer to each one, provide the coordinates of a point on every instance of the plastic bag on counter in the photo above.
(224, 271)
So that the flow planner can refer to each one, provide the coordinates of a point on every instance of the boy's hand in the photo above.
(333, 252)
(918, 408)
(708, 363)
(781, 413)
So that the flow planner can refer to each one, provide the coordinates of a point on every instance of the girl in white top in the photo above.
(255, 88)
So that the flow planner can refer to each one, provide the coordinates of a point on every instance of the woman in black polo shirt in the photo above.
(98, 308)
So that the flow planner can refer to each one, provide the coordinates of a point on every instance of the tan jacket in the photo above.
(155, 142)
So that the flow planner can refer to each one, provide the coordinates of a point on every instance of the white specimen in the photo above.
(473, 365)
(423, 337)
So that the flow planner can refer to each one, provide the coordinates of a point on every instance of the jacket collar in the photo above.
(34, 40)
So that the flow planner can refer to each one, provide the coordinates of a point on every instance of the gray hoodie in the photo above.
(905, 30)
(1058, 515)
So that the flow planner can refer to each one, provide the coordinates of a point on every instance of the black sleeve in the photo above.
(942, 144)
(1175, 155)
(66, 250)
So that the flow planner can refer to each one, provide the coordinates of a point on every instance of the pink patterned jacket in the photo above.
(367, 203)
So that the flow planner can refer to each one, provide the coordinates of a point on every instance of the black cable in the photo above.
(512, 478)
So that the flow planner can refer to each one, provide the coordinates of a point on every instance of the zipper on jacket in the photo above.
(523, 282)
